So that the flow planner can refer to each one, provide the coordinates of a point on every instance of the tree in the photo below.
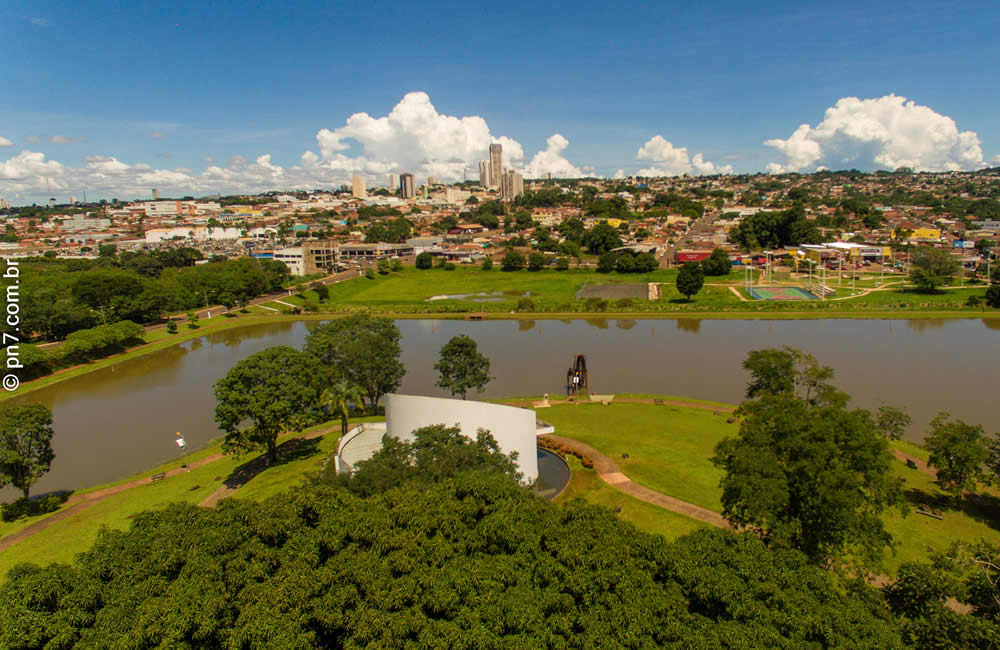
(383, 266)
(993, 295)
(487, 263)
(809, 474)
(892, 421)
(606, 262)
(425, 260)
(435, 453)
(361, 348)
(25, 444)
(562, 264)
(717, 263)
(788, 371)
(932, 267)
(337, 399)
(462, 367)
(601, 238)
(276, 389)
(512, 262)
(958, 451)
(690, 279)
(536, 262)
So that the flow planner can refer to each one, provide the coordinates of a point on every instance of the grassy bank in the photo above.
(669, 448)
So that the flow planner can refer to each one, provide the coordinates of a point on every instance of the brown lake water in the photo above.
(120, 420)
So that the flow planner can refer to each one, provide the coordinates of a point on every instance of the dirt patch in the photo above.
(613, 291)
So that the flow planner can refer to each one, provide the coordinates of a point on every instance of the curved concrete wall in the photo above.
(513, 428)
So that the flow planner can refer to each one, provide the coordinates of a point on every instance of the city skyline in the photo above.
(741, 91)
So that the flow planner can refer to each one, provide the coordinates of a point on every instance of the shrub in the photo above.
(171, 327)
(369, 273)
(595, 304)
(487, 263)
(973, 301)
(536, 262)
(192, 320)
(525, 304)
(424, 260)
(448, 266)
(562, 264)
(30, 507)
(396, 266)
(993, 295)
(383, 266)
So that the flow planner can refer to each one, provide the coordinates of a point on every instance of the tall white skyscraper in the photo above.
(358, 187)
(496, 165)
(484, 174)
(392, 182)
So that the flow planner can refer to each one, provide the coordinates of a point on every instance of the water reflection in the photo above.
(923, 324)
(599, 323)
(525, 325)
(992, 323)
(625, 323)
(692, 325)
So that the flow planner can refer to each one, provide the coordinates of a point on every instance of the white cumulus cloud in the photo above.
(62, 139)
(413, 137)
(885, 133)
(551, 160)
(669, 160)
(4, 142)
(619, 174)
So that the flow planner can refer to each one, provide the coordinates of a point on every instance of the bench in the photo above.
(157, 477)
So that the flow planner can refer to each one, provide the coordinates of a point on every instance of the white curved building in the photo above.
(513, 428)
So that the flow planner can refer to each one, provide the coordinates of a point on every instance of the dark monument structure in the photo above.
(576, 377)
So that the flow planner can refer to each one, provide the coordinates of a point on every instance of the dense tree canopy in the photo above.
(766, 230)
(471, 561)
(959, 452)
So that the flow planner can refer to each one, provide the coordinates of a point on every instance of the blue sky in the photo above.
(215, 80)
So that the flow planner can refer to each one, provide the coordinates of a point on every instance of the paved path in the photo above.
(610, 473)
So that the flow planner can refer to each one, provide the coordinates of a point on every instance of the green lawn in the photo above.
(585, 484)
(668, 446)
(669, 450)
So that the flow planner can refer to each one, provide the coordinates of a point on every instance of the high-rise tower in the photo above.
(496, 165)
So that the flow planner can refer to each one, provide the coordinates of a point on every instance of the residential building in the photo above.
(4, 204)
(430, 181)
(511, 185)
(407, 189)
(358, 187)
(392, 182)
(496, 165)
(484, 174)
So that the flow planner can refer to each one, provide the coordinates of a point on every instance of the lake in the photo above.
(120, 420)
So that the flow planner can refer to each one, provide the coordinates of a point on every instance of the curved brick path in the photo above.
(610, 473)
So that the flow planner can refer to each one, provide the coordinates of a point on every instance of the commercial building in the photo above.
(319, 256)
(496, 165)
(407, 189)
(292, 257)
(392, 182)
(367, 252)
(358, 187)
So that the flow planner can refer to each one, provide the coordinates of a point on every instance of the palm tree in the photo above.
(336, 399)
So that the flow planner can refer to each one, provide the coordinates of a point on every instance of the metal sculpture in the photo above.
(576, 377)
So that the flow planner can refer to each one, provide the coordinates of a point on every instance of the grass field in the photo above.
(669, 449)
(407, 291)
(586, 485)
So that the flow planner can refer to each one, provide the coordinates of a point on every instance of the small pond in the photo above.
(553, 475)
